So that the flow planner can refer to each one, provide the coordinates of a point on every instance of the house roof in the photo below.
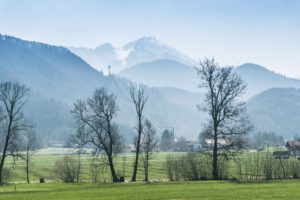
(293, 144)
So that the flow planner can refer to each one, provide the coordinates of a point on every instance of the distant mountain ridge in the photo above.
(145, 49)
(170, 73)
(57, 77)
(155, 63)
(163, 73)
(260, 79)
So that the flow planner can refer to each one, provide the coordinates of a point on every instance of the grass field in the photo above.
(42, 165)
(175, 190)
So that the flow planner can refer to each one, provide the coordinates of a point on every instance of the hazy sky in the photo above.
(265, 32)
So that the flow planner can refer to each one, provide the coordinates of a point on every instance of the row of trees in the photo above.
(226, 128)
(96, 127)
(251, 166)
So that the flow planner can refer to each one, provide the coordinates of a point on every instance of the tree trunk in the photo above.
(215, 172)
(79, 166)
(1, 167)
(27, 165)
(109, 153)
(146, 167)
(4, 153)
(112, 169)
(136, 163)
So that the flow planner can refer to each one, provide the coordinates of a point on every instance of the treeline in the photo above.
(263, 140)
(248, 166)
(226, 128)
(95, 120)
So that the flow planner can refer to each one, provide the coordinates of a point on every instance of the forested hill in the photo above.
(57, 78)
(276, 110)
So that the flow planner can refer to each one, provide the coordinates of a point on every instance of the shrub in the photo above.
(173, 168)
(66, 169)
(6, 175)
(192, 166)
(97, 167)
(195, 166)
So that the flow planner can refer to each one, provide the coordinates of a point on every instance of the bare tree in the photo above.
(149, 143)
(31, 143)
(12, 121)
(94, 122)
(228, 120)
(139, 99)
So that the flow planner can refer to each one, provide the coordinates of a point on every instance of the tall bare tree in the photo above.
(228, 120)
(31, 143)
(149, 144)
(139, 99)
(94, 122)
(13, 96)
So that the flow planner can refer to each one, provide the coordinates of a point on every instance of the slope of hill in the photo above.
(49, 70)
(276, 110)
(259, 79)
(163, 73)
(57, 78)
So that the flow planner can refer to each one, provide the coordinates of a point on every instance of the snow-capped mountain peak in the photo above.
(145, 49)
(144, 42)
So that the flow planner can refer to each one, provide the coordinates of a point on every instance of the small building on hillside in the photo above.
(293, 147)
(209, 143)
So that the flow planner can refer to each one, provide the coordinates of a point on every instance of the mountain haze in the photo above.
(57, 78)
(171, 73)
(259, 79)
(163, 73)
(49, 70)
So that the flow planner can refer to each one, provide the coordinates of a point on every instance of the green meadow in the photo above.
(42, 165)
(169, 190)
